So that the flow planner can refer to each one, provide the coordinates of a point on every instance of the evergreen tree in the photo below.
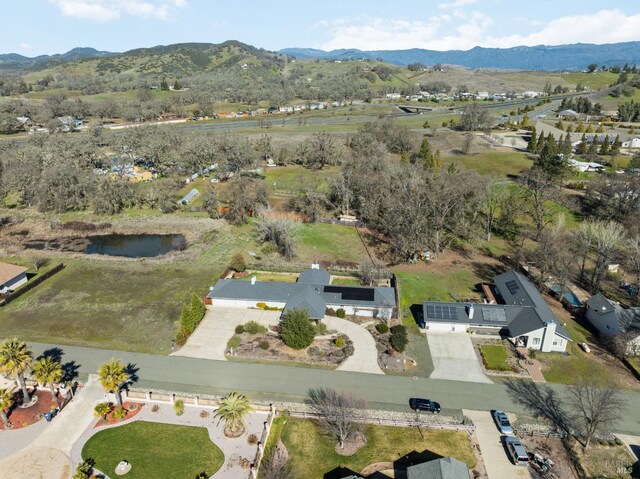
(616, 145)
(605, 147)
(532, 145)
(176, 85)
(566, 148)
(541, 141)
(164, 85)
(582, 147)
(592, 151)
(425, 157)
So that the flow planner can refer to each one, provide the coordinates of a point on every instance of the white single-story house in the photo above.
(610, 319)
(312, 292)
(11, 277)
(569, 115)
(633, 143)
(586, 165)
(522, 315)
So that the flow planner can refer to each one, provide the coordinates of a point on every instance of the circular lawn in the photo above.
(155, 450)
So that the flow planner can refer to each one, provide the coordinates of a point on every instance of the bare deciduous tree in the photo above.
(337, 412)
(608, 238)
(540, 193)
(277, 465)
(279, 230)
(597, 407)
(371, 273)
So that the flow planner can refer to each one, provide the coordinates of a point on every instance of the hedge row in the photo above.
(190, 319)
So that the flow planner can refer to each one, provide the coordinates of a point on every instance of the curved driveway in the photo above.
(365, 354)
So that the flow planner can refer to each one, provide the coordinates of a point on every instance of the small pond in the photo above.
(135, 246)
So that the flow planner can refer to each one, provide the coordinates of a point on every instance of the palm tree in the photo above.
(48, 370)
(233, 408)
(102, 409)
(15, 360)
(6, 401)
(113, 375)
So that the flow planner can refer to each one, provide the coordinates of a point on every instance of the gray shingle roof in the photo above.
(628, 319)
(444, 468)
(524, 311)
(313, 297)
(516, 289)
(314, 276)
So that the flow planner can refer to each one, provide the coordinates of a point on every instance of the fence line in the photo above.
(31, 284)
(381, 421)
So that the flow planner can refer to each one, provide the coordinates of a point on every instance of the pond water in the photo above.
(135, 246)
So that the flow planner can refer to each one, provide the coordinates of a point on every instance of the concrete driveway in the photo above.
(454, 357)
(365, 354)
(209, 340)
(495, 457)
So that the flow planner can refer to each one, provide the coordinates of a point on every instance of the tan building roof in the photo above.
(10, 271)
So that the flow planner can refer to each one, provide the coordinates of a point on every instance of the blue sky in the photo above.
(55, 26)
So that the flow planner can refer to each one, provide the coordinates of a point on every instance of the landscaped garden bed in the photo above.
(256, 342)
(391, 358)
(131, 409)
(498, 357)
(154, 450)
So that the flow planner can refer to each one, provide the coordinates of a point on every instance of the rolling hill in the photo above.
(179, 59)
(553, 58)
(15, 61)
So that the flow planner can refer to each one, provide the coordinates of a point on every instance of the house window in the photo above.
(536, 341)
(608, 327)
(555, 343)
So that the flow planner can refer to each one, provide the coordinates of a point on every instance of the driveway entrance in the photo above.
(454, 358)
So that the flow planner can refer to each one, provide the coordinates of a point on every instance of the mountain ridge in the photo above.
(575, 56)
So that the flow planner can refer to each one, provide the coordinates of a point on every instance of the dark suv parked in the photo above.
(419, 404)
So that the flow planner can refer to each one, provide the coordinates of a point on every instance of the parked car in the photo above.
(516, 451)
(502, 421)
(585, 347)
(419, 404)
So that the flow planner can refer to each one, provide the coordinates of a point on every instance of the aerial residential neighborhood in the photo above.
(319, 241)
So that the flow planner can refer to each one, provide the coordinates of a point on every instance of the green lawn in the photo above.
(326, 242)
(155, 450)
(558, 368)
(289, 178)
(495, 357)
(312, 454)
(498, 164)
(448, 286)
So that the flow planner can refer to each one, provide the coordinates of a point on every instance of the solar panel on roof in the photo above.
(513, 286)
(352, 294)
(494, 315)
(440, 311)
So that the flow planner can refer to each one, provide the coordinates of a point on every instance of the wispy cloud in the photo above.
(108, 10)
(456, 4)
(25, 46)
(462, 30)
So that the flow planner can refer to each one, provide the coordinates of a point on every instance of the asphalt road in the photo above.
(288, 383)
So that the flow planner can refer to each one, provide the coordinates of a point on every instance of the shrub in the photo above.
(330, 312)
(238, 264)
(239, 329)
(252, 439)
(204, 414)
(269, 248)
(119, 413)
(296, 329)
(253, 327)
(382, 328)
(155, 408)
(339, 342)
(321, 328)
(234, 342)
(190, 318)
(341, 313)
(399, 338)
(261, 305)
(264, 345)
(178, 407)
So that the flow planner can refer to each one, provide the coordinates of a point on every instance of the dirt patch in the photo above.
(551, 448)
(376, 467)
(352, 445)
(322, 352)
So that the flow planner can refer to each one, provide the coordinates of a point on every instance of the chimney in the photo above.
(253, 280)
(470, 311)
(315, 265)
